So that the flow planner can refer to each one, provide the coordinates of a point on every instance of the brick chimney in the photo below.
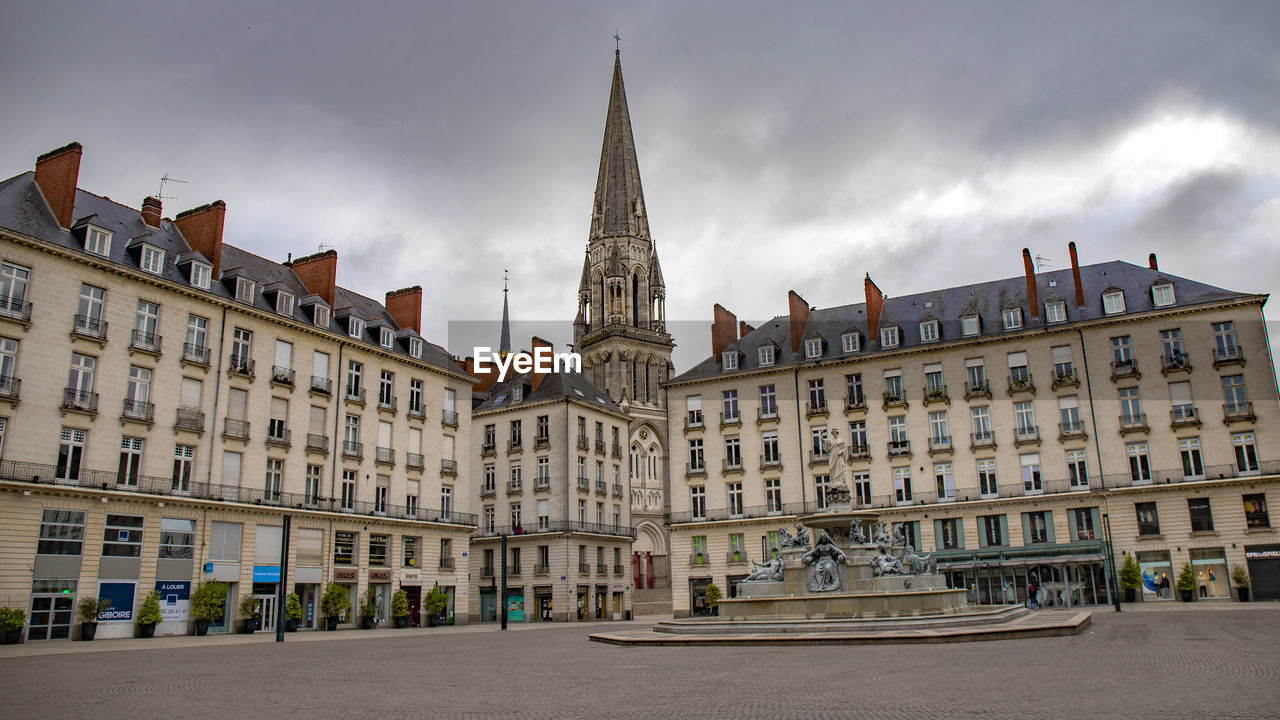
(1029, 268)
(151, 209)
(799, 311)
(744, 329)
(1075, 274)
(724, 330)
(535, 378)
(202, 227)
(1151, 262)
(57, 172)
(875, 304)
(405, 307)
(319, 274)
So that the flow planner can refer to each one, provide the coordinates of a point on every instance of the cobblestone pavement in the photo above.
(1170, 664)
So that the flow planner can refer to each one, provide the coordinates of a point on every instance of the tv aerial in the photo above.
(163, 181)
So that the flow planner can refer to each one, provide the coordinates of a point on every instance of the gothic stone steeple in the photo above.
(621, 327)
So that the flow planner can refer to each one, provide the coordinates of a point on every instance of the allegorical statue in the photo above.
(856, 536)
(882, 563)
(802, 536)
(770, 571)
(837, 452)
(880, 534)
(825, 559)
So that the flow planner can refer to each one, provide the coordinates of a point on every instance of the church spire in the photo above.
(504, 343)
(619, 208)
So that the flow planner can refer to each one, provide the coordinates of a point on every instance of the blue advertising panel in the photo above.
(121, 596)
(266, 573)
(175, 600)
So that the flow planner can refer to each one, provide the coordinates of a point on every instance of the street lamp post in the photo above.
(1113, 587)
(502, 599)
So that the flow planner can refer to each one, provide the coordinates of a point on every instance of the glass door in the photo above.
(266, 613)
(50, 616)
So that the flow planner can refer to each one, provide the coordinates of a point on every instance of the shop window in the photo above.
(61, 532)
(344, 548)
(177, 538)
(1210, 567)
(1255, 511)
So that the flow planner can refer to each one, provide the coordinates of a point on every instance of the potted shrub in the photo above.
(1130, 578)
(1186, 582)
(334, 602)
(1240, 578)
(435, 604)
(400, 608)
(207, 602)
(369, 611)
(149, 615)
(292, 612)
(713, 598)
(89, 608)
(250, 610)
(12, 621)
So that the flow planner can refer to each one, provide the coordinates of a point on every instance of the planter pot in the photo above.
(88, 630)
(331, 623)
(366, 622)
(291, 626)
(1243, 594)
(148, 630)
(402, 622)
(13, 637)
(202, 627)
(1186, 595)
(250, 625)
(1130, 594)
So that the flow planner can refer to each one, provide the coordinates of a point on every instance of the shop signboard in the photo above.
(346, 574)
(379, 576)
(410, 578)
(120, 593)
(266, 573)
(175, 600)
(1262, 552)
(515, 607)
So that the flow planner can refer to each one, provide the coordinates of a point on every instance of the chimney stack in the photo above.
(57, 172)
(1030, 268)
(536, 377)
(319, 273)
(405, 307)
(1075, 274)
(875, 303)
(151, 209)
(724, 330)
(202, 227)
(799, 311)
(744, 329)
(1151, 262)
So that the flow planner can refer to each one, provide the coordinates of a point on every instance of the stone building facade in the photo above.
(1009, 424)
(169, 397)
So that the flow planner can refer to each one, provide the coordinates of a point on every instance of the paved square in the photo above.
(1170, 663)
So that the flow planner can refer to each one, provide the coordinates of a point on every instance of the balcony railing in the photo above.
(1134, 423)
(583, 444)
(89, 327)
(899, 448)
(280, 436)
(384, 455)
(766, 414)
(515, 487)
(731, 465)
(1124, 369)
(973, 390)
(770, 462)
(352, 449)
(1238, 412)
(815, 408)
(1064, 378)
(488, 491)
(322, 385)
(1174, 363)
(145, 341)
(894, 399)
(414, 461)
(449, 417)
(15, 309)
(727, 419)
(860, 452)
(699, 559)
(616, 450)
(1184, 416)
(1072, 429)
(940, 444)
(282, 375)
(818, 458)
(1026, 434)
(240, 365)
(984, 438)
(602, 487)
(856, 403)
(387, 403)
(9, 387)
(317, 443)
(236, 429)
(139, 411)
(356, 395)
(541, 441)
(1232, 354)
(197, 354)
(488, 448)
(79, 400)
(448, 467)
(558, 527)
(617, 489)
(695, 468)
(735, 557)
(541, 483)
(514, 445)
(416, 410)
(584, 568)
(601, 448)
(936, 394)
(12, 471)
(1019, 384)
(691, 422)
(189, 419)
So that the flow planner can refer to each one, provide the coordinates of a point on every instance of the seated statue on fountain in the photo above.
(882, 563)
(856, 536)
(799, 540)
(825, 558)
(880, 534)
(770, 571)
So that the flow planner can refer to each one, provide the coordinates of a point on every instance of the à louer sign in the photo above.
(542, 360)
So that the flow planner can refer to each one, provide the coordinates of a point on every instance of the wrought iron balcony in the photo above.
(352, 449)
(197, 354)
(1177, 362)
(355, 394)
(241, 365)
(282, 375)
(80, 401)
(1229, 355)
(448, 467)
(236, 429)
(699, 468)
(1134, 423)
(815, 408)
(1064, 377)
(279, 435)
(1072, 429)
(898, 448)
(856, 403)
(387, 403)
(731, 464)
(138, 411)
(1184, 416)
(10, 387)
(449, 417)
(321, 385)
(940, 443)
(1025, 435)
(936, 395)
(1238, 412)
(90, 327)
(972, 390)
(317, 443)
(982, 439)
(726, 419)
(414, 461)
(515, 445)
(488, 448)
(146, 342)
(1018, 384)
(384, 455)
(1125, 369)
(15, 309)
(189, 419)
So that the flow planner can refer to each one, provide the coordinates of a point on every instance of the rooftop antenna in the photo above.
(324, 246)
(167, 179)
(1042, 262)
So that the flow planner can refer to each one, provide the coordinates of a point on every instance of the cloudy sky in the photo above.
(781, 148)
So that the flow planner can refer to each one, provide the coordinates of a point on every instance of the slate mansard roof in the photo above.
(947, 306)
(23, 210)
(555, 386)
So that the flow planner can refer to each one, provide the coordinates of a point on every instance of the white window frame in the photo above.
(201, 275)
(929, 331)
(971, 325)
(1055, 312)
(813, 348)
(97, 241)
(244, 290)
(355, 328)
(321, 316)
(386, 338)
(729, 359)
(1011, 318)
(1157, 291)
(284, 304)
(849, 343)
(1113, 302)
(152, 259)
(415, 347)
(766, 355)
(889, 337)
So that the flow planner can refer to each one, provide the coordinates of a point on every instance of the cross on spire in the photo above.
(617, 42)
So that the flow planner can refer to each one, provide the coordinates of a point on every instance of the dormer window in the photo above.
(517, 393)
(849, 342)
(201, 275)
(1012, 318)
(889, 337)
(1055, 312)
(766, 355)
(152, 259)
(321, 316)
(813, 348)
(355, 328)
(284, 304)
(385, 338)
(1162, 295)
(729, 359)
(244, 290)
(929, 331)
(1113, 302)
(415, 347)
(97, 241)
(970, 325)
